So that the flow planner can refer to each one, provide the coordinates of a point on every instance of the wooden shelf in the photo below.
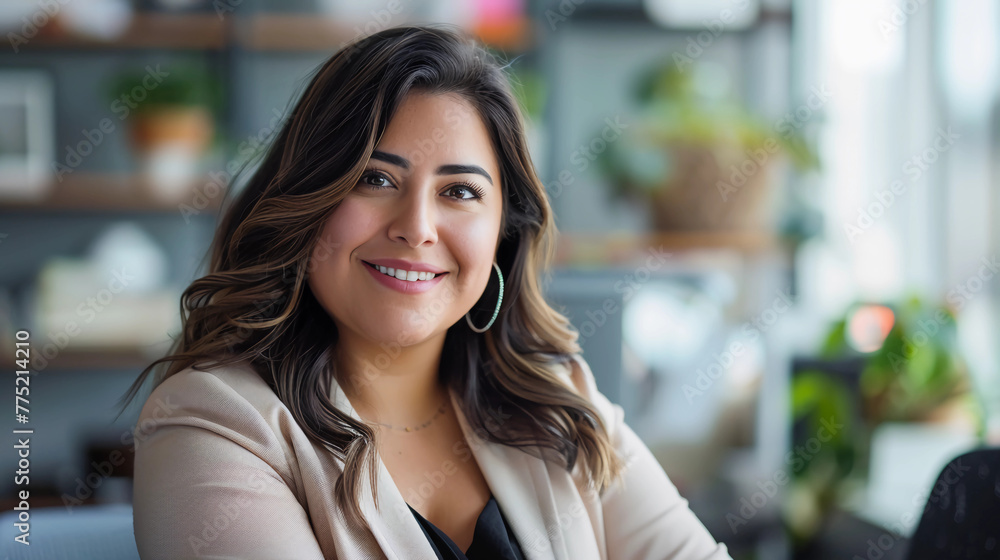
(110, 192)
(146, 31)
(261, 32)
(111, 358)
(515, 35)
(296, 32)
(616, 248)
(634, 13)
(309, 32)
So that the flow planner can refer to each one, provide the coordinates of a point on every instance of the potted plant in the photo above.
(699, 161)
(916, 370)
(914, 374)
(170, 112)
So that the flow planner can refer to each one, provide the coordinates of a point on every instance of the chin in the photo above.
(389, 336)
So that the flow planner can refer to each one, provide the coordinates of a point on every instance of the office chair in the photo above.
(961, 518)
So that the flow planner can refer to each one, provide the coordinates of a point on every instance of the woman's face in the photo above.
(431, 197)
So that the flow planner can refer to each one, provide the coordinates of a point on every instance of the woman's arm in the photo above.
(645, 518)
(201, 488)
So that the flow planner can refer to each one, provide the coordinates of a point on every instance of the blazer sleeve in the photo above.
(211, 480)
(645, 517)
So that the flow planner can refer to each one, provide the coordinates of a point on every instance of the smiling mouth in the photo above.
(408, 277)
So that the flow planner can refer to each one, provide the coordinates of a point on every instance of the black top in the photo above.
(492, 540)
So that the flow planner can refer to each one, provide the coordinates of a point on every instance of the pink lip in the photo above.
(407, 265)
(404, 286)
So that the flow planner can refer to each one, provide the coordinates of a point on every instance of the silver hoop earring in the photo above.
(495, 311)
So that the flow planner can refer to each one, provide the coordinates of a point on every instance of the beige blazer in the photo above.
(222, 470)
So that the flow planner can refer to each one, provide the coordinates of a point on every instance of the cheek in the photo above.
(343, 230)
(473, 245)
(344, 227)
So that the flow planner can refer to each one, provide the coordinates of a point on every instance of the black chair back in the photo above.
(961, 518)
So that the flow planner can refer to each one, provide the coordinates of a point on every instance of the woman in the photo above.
(369, 370)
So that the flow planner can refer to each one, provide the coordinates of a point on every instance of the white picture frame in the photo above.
(26, 134)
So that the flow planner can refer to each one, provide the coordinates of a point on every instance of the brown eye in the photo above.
(464, 193)
(368, 179)
(467, 189)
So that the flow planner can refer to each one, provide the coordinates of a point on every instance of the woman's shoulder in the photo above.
(213, 377)
(228, 401)
(226, 395)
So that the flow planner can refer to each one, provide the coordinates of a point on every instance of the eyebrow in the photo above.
(448, 169)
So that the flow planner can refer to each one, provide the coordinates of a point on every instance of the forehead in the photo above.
(431, 129)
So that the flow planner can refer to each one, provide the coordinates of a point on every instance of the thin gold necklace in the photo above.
(439, 412)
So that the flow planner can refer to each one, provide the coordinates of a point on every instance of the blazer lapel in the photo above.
(539, 499)
(395, 529)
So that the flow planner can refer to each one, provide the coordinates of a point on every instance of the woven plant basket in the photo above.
(700, 194)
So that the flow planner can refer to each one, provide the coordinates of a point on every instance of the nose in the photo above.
(415, 220)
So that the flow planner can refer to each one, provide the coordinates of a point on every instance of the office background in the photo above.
(776, 217)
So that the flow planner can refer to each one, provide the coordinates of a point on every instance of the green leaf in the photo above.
(836, 341)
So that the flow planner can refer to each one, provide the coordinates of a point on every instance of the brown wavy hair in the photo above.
(255, 305)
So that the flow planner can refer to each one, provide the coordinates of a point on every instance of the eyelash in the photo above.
(468, 185)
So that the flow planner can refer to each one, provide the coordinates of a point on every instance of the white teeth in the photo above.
(408, 275)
